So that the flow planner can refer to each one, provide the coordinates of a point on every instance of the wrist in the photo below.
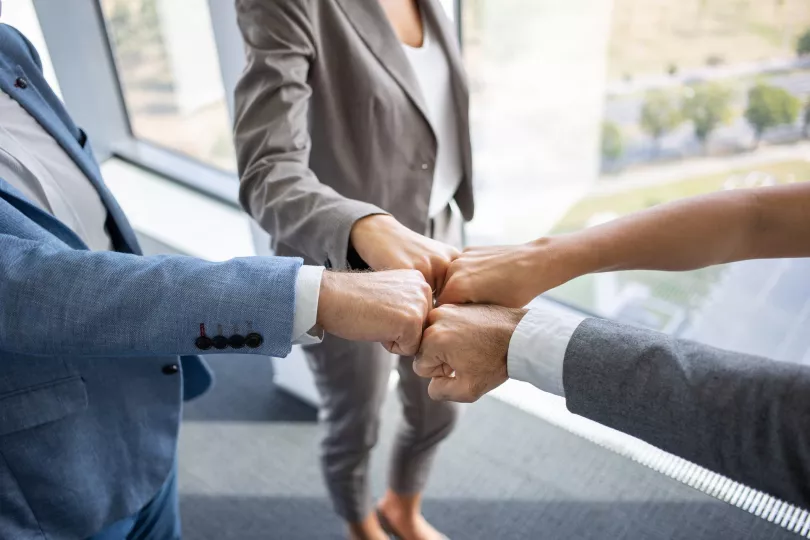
(372, 223)
(563, 258)
(507, 323)
(510, 321)
(327, 303)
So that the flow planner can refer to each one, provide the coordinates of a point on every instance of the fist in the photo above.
(386, 244)
(464, 350)
(510, 276)
(389, 307)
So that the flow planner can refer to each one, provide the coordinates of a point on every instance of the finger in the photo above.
(449, 272)
(440, 268)
(424, 268)
(452, 292)
(428, 367)
(409, 342)
(448, 389)
(428, 292)
(476, 249)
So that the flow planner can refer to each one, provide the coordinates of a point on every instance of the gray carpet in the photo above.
(248, 469)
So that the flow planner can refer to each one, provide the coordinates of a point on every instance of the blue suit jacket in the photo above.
(90, 396)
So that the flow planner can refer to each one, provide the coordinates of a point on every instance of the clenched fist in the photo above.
(510, 276)
(389, 307)
(386, 244)
(464, 350)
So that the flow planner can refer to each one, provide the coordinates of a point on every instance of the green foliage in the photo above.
(708, 106)
(612, 141)
(803, 45)
(770, 106)
(659, 113)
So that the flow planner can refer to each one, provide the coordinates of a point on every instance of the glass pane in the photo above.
(586, 110)
(169, 71)
(21, 15)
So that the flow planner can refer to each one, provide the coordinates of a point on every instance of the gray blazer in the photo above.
(331, 124)
(745, 417)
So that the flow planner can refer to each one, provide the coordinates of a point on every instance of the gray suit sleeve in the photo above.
(743, 416)
(272, 135)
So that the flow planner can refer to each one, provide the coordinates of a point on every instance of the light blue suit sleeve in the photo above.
(59, 301)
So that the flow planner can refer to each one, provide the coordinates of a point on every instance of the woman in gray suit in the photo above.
(354, 152)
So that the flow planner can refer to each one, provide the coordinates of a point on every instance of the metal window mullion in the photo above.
(229, 46)
(79, 48)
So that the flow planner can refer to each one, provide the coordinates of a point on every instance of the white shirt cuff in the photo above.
(538, 345)
(307, 291)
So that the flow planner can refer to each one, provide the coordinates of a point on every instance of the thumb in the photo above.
(447, 389)
(450, 293)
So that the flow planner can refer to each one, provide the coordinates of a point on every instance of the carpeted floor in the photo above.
(249, 471)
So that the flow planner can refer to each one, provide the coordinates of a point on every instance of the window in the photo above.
(587, 110)
(167, 63)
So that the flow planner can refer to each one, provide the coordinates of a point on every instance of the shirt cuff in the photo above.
(538, 345)
(307, 291)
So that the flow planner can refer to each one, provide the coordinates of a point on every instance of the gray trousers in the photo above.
(352, 379)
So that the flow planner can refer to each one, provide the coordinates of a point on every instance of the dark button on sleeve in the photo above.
(203, 343)
(170, 369)
(254, 340)
(237, 341)
(21, 83)
(220, 342)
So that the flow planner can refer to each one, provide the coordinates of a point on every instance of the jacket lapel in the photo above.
(449, 42)
(461, 92)
(45, 114)
(370, 22)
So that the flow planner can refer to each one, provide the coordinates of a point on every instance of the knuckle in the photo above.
(427, 336)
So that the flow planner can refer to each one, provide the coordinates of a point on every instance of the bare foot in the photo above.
(368, 529)
(404, 515)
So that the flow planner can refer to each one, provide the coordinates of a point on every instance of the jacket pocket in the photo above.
(41, 404)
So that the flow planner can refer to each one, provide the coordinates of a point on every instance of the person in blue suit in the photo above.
(98, 343)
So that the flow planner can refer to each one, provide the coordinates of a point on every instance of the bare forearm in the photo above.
(692, 233)
(695, 233)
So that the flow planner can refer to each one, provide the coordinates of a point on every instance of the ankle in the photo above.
(400, 507)
(368, 529)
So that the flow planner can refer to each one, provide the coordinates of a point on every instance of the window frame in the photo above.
(77, 29)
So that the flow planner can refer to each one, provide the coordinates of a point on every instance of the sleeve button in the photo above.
(237, 341)
(220, 342)
(254, 340)
(203, 343)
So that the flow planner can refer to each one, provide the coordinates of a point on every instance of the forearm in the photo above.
(694, 233)
(58, 301)
(739, 415)
(272, 138)
(298, 211)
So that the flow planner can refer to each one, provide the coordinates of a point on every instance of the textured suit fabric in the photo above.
(158, 520)
(90, 343)
(331, 125)
(743, 416)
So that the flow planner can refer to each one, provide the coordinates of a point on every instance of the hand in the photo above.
(386, 244)
(510, 276)
(464, 350)
(389, 307)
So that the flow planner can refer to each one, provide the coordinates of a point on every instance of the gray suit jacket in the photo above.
(331, 124)
(742, 416)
